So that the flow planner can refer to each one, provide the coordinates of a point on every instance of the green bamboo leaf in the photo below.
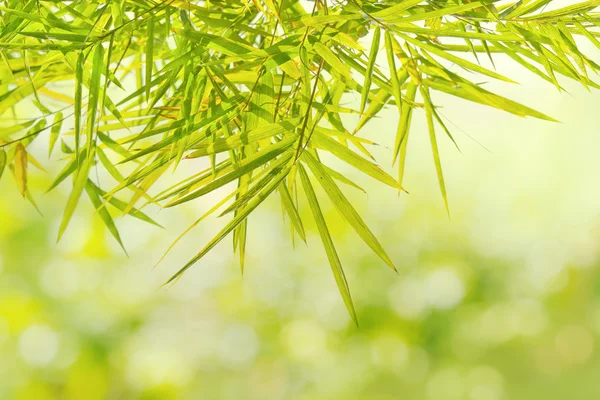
(143, 187)
(78, 97)
(372, 58)
(292, 211)
(276, 170)
(206, 214)
(55, 131)
(69, 168)
(109, 166)
(245, 138)
(94, 95)
(2, 161)
(122, 206)
(376, 105)
(337, 66)
(221, 44)
(350, 157)
(542, 53)
(485, 46)
(94, 196)
(20, 164)
(397, 9)
(395, 77)
(459, 61)
(405, 117)
(442, 12)
(68, 37)
(234, 86)
(78, 185)
(341, 178)
(244, 167)
(113, 145)
(345, 208)
(434, 147)
(332, 256)
(316, 20)
(525, 8)
(236, 221)
(581, 29)
(569, 10)
(512, 54)
(479, 95)
(149, 55)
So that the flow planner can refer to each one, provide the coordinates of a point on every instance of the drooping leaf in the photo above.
(332, 256)
(346, 209)
(79, 184)
(2, 161)
(20, 164)
(372, 58)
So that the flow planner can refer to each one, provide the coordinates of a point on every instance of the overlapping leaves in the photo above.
(256, 89)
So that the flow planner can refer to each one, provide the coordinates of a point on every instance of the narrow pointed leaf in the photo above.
(20, 163)
(332, 256)
(346, 209)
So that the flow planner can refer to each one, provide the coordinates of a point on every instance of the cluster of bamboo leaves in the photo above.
(255, 87)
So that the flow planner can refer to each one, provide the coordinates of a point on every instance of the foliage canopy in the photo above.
(255, 88)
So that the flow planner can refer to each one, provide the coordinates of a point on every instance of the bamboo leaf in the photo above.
(372, 58)
(236, 221)
(78, 97)
(434, 147)
(94, 196)
(2, 161)
(149, 55)
(244, 167)
(350, 157)
(332, 256)
(459, 61)
(292, 211)
(20, 163)
(94, 96)
(345, 208)
(394, 76)
(78, 185)
(55, 131)
(331, 59)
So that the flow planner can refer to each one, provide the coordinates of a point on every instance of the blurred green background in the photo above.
(501, 300)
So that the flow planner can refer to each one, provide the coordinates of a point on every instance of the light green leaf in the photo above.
(345, 208)
(236, 221)
(55, 131)
(332, 256)
(350, 157)
(94, 195)
(244, 167)
(78, 185)
(372, 58)
(2, 161)
(292, 211)
(434, 147)
(20, 163)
